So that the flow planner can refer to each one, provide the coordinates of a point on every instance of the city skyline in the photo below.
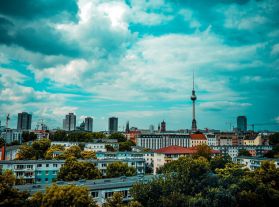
(134, 60)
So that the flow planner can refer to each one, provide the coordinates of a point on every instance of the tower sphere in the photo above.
(193, 97)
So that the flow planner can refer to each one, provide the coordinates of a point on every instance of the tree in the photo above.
(244, 152)
(52, 149)
(88, 155)
(28, 136)
(64, 196)
(117, 169)
(72, 152)
(40, 147)
(120, 137)
(26, 153)
(126, 146)
(115, 201)
(75, 170)
(9, 195)
(2, 142)
(59, 135)
(219, 161)
(274, 139)
(203, 151)
(109, 148)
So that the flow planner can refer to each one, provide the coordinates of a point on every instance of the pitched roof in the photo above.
(180, 150)
(198, 136)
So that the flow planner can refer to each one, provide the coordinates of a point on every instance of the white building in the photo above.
(211, 139)
(254, 162)
(160, 140)
(11, 135)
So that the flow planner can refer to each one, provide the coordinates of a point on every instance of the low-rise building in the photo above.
(198, 139)
(233, 150)
(100, 189)
(254, 162)
(9, 152)
(11, 135)
(211, 139)
(45, 171)
(253, 140)
(227, 138)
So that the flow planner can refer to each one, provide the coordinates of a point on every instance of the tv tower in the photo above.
(194, 98)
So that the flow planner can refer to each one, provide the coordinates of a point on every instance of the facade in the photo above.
(241, 123)
(253, 140)
(233, 150)
(9, 153)
(100, 189)
(198, 139)
(24, 121)
(254, 162)
(157, 141)
(45, 171)
(88, 124)
(113, 125)
(69, 123)
(163, 126)
(227, 138)
(89, 146)
(12, 135)
(211, 139)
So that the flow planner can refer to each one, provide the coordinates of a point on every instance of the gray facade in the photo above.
(24, 121)
(88, 124)
(113, 125)
(242, 123)
(69, 123)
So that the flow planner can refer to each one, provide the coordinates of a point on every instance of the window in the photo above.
(39, 173)
(46, 179)
(30, 166)
(47, 165)
(39, 165)
(46, 172)
(95, 194)
(54, 172)
(54, 165)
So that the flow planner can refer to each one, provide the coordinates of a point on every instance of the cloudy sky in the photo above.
(134, 59)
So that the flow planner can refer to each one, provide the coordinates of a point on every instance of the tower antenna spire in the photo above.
(193, 79)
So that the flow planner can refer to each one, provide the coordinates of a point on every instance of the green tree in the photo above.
(59, 135)
(8, 194)
(244, 152)
(28, 136)
(64, 196)
(219, 161)
(26, 153)
(126, 146)
(75, 170)
(72, 152)
(52, 149)
(115, 201)
(117, 169)
(109, 148)
(120, 137)
(203, 151)
(40, 147)
(88, 155)
(2, 142)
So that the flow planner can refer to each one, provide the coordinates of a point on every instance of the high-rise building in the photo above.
(163, 126)
(88, 124)
(151, 128)
(69, 123)
(194, 98)
(113, 125)
(24, 121)
(242, 123)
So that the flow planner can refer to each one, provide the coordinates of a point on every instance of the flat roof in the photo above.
(92, 185)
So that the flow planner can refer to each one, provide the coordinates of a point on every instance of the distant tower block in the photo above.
(163, 126)
(194, 98)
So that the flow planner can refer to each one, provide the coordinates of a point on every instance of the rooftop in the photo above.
(198, 136)
(180, 150)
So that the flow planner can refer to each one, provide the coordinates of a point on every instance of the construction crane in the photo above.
(7, 121)
(263, 124)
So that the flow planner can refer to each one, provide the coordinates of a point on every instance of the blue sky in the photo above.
(134, 60)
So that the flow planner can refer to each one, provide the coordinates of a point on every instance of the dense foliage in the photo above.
(61, 135)
(28, 136)
(117, 169)
(63, 196)
(244, 152)
(192, 182)
(76, 170)
(35, 151)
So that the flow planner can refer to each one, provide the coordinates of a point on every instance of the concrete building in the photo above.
(158, 140)
(88, 124)
(233, 150)
(211, 139)
(9, 152)
(253, 140)
(255, 162)
(12, 135)
(24, 121)
(88, 146)
(241, 124)
(227, 138)
(197, 139)
(45, 171)
(113, 125)
(69, 123)
(100, 189)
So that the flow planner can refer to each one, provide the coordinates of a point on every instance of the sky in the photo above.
(134, 59)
